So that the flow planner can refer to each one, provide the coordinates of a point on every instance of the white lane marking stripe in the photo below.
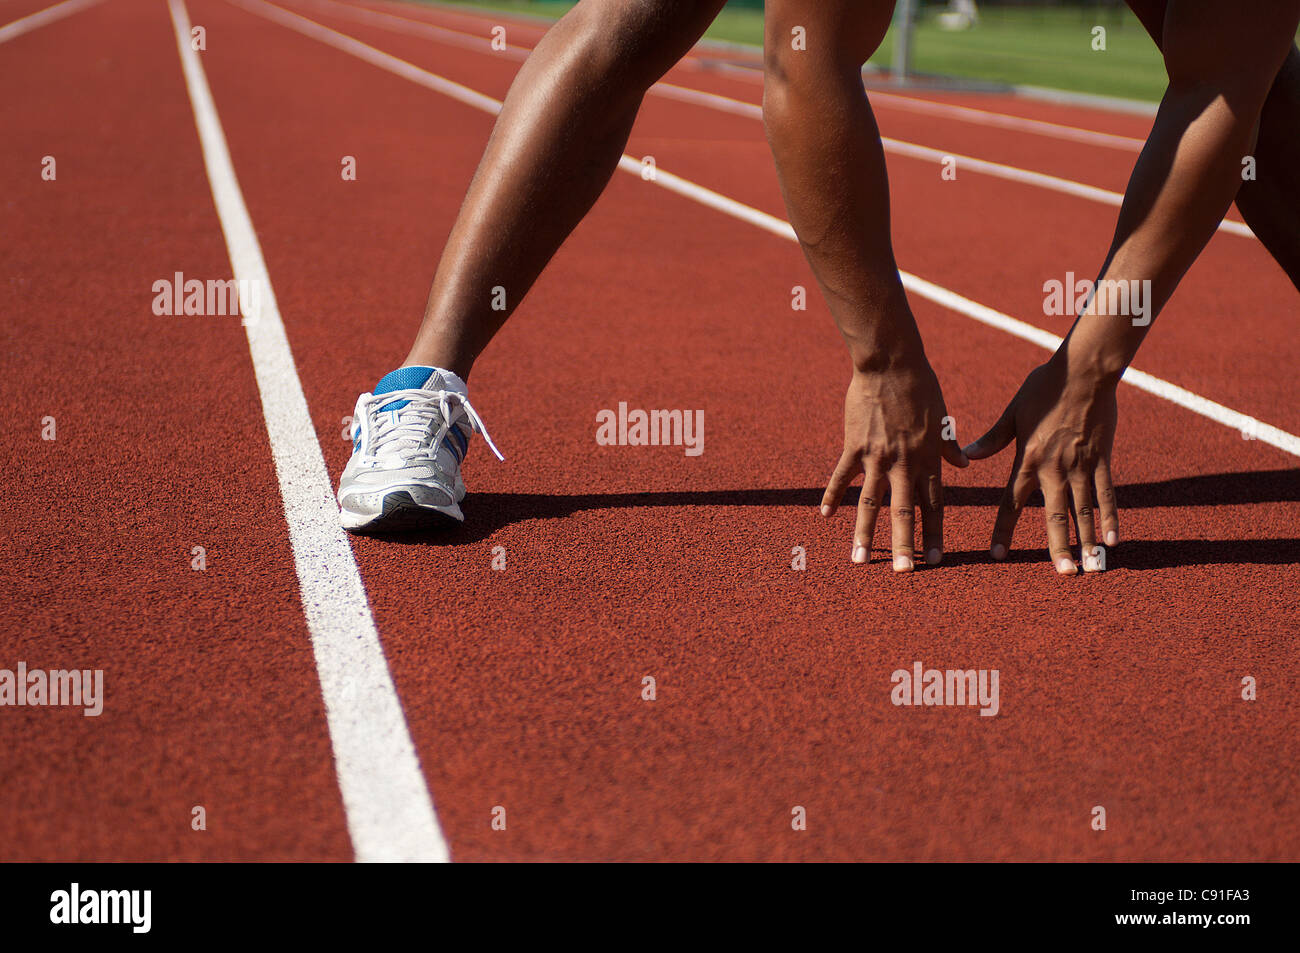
(984, 117)
(363, 51)
(41, 17)
(389, 810)
(396, 24)
(1065, 97)
(480, 43)
(1265, 433)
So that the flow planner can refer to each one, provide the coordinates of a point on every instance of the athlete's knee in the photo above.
(809, 44)
(1242, 84)
(1203, 65)
(639, 39)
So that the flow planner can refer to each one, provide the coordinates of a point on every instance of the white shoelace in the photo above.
(409, 426)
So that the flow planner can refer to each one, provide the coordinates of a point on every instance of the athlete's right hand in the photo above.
(896, 429)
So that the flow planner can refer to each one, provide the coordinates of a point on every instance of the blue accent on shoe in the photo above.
(404, 378)
(457, 443)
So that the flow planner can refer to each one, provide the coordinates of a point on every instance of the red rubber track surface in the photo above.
(522, 688)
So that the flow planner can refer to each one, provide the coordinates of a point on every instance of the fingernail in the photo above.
(933, 557)
(998, 551)
(859, 554)
(1091, 563)
(826, 511)
(1112, 538)
(902, 563)
(1066, 567)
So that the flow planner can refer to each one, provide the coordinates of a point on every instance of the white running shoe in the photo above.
(408, 441)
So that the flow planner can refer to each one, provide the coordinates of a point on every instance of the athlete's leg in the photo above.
(558, 139)
(1270, 202)
(832, 170)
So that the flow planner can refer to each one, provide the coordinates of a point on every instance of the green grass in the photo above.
(1035, 46)
(734, 26)
(1043, 47)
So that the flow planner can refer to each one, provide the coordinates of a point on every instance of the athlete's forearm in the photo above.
(1181, 187)
(1269, 197)
(832, 171)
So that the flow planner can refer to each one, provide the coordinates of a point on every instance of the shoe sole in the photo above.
(401, 514)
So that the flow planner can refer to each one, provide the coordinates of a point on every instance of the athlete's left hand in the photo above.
(1064, 426)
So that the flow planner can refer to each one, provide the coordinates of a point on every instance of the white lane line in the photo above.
(984, 117)
(375, 57)
(479, 43)
(537, 21)
(1065, 97)
(697, 97)
(1263, 432)
(389, 810)
(41, 17)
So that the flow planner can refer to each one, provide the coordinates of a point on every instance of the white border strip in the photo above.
(1249, 426)
(389, 810)
(985, 117)
(1066, 97)
(41, 17)
(409, 27)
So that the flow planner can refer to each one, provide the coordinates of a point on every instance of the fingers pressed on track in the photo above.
(1019, 486)
(1089, 553)
(1056, 512)
(848, 467)
(929, 494)
(902, 514)
(868, 510)
(1106, 505)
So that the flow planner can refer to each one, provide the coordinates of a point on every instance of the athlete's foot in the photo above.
(408, 441)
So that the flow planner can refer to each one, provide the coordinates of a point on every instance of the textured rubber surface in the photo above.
(523, 686)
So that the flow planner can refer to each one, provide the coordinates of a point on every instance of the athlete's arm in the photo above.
(832, 170)
(1269, 200)
(1222, 58)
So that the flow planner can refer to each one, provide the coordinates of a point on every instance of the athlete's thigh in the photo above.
(661, 31)
(1151, 14)
(1238, 45)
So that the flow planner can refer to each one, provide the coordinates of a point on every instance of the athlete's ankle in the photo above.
(440, 361)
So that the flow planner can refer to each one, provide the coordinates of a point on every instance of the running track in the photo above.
(522, 689)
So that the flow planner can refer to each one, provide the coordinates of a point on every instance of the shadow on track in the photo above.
(1144, 554)
(488, 512)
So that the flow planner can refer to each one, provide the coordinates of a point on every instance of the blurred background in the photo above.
(978, 43)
